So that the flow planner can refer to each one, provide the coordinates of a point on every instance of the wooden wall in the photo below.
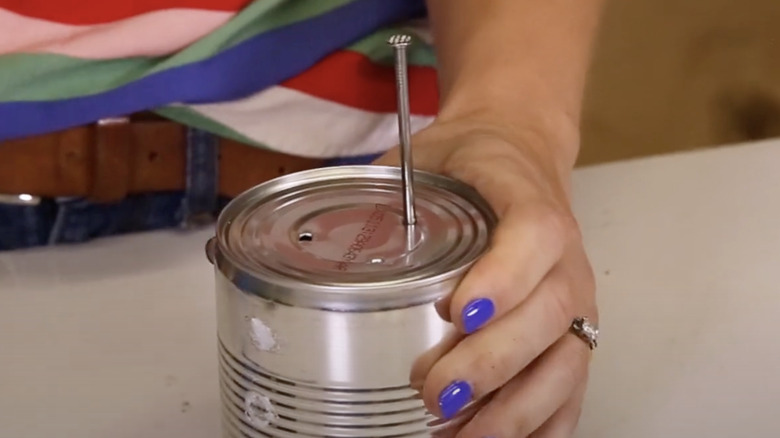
(671, 75)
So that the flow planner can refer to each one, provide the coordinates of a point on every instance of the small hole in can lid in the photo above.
(305, 237)
(376, 261)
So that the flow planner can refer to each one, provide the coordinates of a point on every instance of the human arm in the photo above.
(512, 74)
(518, 63)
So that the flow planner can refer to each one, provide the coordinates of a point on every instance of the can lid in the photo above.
(336, 231)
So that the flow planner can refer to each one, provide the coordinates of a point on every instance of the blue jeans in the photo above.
(76, 220)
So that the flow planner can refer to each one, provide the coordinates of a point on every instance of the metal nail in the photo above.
(400, 43)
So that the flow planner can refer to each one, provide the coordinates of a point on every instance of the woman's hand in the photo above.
(514, 308)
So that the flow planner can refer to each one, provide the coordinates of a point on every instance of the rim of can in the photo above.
(269, 283)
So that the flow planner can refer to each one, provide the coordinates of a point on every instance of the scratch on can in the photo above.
(262, 336)
(258, 409)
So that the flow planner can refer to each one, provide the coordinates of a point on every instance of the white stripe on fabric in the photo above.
(297, 123)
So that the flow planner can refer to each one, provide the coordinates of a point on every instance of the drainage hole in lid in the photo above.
(305, 237)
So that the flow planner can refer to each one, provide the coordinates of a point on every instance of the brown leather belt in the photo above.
(109, 160)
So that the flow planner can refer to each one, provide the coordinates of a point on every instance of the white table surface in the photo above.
(116, 338)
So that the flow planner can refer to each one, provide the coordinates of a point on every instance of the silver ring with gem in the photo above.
(586, 331)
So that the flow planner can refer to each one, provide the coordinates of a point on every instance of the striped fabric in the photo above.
(306, 77)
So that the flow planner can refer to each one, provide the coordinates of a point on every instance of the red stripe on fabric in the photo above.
(352, 79)
(104, 11)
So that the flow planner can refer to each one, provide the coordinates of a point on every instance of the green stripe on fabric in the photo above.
(261, 16)
(375, 47)
(190, 117)
(34, 76)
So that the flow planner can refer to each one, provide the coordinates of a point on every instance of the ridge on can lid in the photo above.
(336, 235)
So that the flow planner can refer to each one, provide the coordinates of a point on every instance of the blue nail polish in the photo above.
(477, 313)
(453, 398)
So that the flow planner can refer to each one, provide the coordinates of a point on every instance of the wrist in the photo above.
(550, 132)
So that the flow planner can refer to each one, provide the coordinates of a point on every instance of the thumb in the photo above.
(390, 158)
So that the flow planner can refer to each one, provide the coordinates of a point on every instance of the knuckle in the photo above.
(495, 279)
(518, 423)
(457, 165)
(490, 150)
(564, 224)
(493, 173)
(461, 161)
(488, 372)
(553, 225)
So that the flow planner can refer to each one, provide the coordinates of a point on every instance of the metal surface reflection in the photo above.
(325, 300)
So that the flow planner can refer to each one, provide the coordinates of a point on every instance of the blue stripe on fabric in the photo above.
(355, 160)
(262, 61)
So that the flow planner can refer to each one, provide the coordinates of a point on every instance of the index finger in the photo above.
(530, 238)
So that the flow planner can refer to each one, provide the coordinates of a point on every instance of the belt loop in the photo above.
(111, 163)
(200, 201)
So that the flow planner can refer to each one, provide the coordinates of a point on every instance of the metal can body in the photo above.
(325, 373)
(325, 300)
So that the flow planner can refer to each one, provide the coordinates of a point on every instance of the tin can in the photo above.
(325, 299)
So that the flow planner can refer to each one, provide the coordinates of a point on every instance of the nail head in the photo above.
(399, 40)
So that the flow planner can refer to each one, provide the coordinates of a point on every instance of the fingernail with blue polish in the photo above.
(453, 398)
(477, 313)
